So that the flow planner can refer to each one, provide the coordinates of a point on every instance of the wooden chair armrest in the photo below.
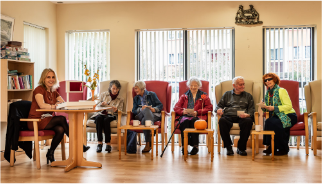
(209, 119)
(30, 119)
(128, 119)
(256, 116)
(173, 118)
(312, 114)
(119, 117)
(267, 115)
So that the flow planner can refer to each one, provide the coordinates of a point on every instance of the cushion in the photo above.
(297, 133)
(298, 126)
(90, 123)
(26, 133)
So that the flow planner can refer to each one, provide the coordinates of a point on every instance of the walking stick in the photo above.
(169, 140)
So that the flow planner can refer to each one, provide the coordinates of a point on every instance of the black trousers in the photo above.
(193, 138)
(282, 135)
(104, 122)
(245, 124)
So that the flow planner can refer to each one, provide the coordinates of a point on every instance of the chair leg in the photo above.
(12, 157)
(219, 142)
(165, 138)
(34, 154)
(312, 143)
(42, 144)
(139, 136)
(179, 137)
(207, 142)
(37, 153)
(307, 145)
(298, 142)
(63, 155)
(257, 144)
(172, 144)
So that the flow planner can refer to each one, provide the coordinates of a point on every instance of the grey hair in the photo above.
(116, 83)
(237, 78)
(140, 84)
(195, 79)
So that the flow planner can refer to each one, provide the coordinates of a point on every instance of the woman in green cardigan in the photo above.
(282, 116)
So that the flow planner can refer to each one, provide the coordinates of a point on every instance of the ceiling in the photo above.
(89, 1)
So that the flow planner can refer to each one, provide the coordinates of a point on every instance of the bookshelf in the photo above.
(25, 94)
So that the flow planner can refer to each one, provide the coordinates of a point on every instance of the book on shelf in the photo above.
(20, 82)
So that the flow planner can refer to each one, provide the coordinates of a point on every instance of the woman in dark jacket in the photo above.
(192, 99)
(146, 106)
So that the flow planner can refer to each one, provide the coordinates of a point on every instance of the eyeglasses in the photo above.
(269, 79)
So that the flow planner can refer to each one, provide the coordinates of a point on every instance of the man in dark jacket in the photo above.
(236, 106)
(146, 106)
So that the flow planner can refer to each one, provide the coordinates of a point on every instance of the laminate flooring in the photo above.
(296, 167)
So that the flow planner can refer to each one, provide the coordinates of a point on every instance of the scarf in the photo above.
(113, 96)
(286, 121)
(191, 103)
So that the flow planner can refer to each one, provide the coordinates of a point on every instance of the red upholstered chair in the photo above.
(182, 89)
(163, 92)
(73, 97)
(301, 127)
(36, 136)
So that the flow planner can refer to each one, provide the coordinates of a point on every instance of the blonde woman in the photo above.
(45, 96)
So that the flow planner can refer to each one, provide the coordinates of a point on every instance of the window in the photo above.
(164, 56)
(294, 62)
(35, 42)
(90, 48)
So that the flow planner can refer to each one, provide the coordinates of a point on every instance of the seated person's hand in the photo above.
(103, 103)
(195, 113)
(270, 108)
(152, 109)
(143, 107)
(114, 109)
(58, 102)
(220, 112)
(184, 112)
(244, 115)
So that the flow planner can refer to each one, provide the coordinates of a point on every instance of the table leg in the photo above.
(157, 142)
(257, 144)
(119, 137)
(152, 142)
(272, 144)
(125, 140)
(185, 145)
(253, 147)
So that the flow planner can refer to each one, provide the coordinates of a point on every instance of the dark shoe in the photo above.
(182, 150)
(85, 148)
(230, 151)
(268, 150)
(50, 156)
(108, 148)
(194, 151)
(280, 153)
(242, 153)
(99, 148)
(147, 148)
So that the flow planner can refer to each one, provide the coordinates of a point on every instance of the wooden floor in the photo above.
(296, 167)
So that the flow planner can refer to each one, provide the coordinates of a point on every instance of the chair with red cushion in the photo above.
(301, 127)
(183, 88)
(36, 136)
(163, 92)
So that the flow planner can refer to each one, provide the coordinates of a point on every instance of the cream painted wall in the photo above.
(122, 18)
(41, 13)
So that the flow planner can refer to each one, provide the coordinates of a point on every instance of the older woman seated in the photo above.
(146, 106)
(189, 109)
(282, 116)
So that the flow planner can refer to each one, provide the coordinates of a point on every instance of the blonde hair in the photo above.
(43, 77)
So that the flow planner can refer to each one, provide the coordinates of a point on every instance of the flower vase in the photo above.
(93, 98)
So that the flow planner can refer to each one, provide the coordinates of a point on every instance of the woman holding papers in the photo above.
(45, 96)
(282, 116)
(104, 118)
(189, 109)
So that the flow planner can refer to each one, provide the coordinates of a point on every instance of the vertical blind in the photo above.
(35, 42)
(177, 55)
(288, 53)
(90, 48)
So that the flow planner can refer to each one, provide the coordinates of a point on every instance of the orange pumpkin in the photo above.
(200, 124)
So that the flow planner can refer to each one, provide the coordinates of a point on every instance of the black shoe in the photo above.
(242, 153)
(194, 151)
(280, 152)
(99, 148)
(230, 151)
(50, 156)
(85, 148)
(108, 148)
(268, 150)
